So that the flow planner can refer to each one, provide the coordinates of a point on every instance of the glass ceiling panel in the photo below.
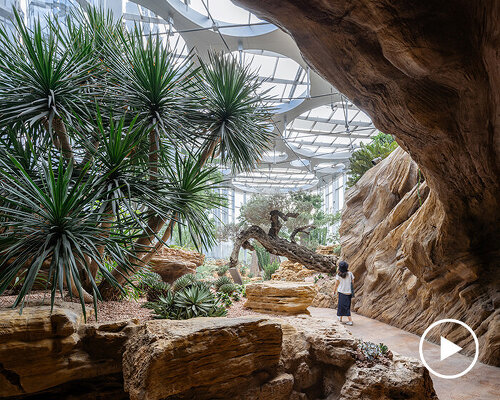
(223, 10)
(283, 77)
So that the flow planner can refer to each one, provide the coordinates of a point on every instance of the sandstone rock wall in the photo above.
(428, 73)
(40, 351)
(388, 237)
(201, 358)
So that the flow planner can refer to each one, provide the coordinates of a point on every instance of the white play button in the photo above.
(448, 348)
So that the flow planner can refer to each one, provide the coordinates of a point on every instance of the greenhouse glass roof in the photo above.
(316, 127)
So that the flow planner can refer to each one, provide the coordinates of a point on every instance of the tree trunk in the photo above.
(281, 247)
(155, 223)
(62, 142)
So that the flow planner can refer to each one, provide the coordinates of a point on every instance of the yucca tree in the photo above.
(193, 192)
(235, 121)
(55, 222)
(41, 83)
(152, 82)
(105, 147)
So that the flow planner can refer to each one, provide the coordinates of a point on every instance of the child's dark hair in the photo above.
(343, 269)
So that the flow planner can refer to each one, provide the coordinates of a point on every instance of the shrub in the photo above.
(225, 299)
(228, 288)
(222, 269)
(183, 282)
(263, 256)
(152, 285)
(270, 269)
(223, 280)
(361, 160)
(243, 269)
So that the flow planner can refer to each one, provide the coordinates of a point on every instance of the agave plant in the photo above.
(221, 281)
(190, 302)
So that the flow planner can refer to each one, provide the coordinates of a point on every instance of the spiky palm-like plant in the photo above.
(54, 222)
(234, 118)
(40, 83)
(104, 138)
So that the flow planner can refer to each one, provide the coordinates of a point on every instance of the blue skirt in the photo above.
(344, 305)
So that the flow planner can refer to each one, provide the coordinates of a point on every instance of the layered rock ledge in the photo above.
(201, 358)
(278, 297)
(47, 356)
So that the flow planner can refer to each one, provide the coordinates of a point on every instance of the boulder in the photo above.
(292, 272)
(322, 358)
(280, 297)
(325, 297)
(427, 73)
(404, 376)
(172, 263)
(201, 358)
(40, 350)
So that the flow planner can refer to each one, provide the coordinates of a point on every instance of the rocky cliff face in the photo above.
(46, 356)
(429, 74)
(389, 231)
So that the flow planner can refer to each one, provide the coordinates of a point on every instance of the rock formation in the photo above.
(172, 263)
(325, 296)
(427, 73)
(201, 358)
(40, 352)
(280, 297)
(292, 272)
(386, 215)
(321, 358)
(249, 358)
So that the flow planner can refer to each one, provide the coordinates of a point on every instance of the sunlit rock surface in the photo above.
(47, 356)
(427, 72)
(390, 229)
(279, 297)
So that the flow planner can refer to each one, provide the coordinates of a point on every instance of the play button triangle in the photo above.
(448, 348)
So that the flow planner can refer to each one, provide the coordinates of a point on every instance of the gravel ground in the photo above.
(238, 310)
(106, 310)
(116, 310)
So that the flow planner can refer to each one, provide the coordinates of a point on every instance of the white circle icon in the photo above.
(448, 348)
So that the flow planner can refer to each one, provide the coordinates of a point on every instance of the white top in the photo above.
(345, 283)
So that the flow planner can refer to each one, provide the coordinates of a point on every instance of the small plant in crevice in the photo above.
(372, 353)
(318, 277)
